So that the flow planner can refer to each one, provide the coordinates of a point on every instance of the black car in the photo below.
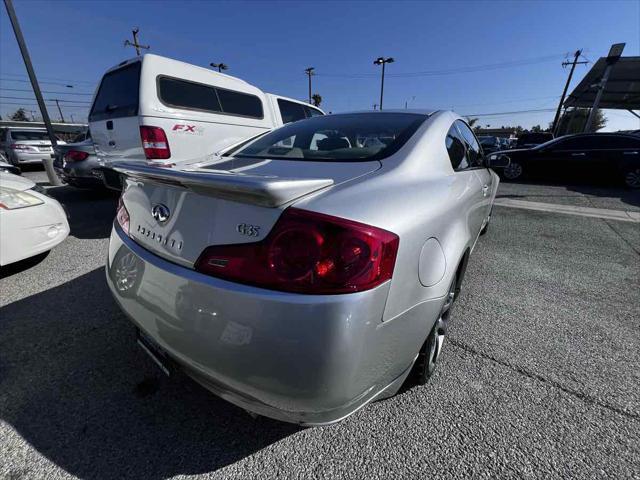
(532, 139)
(595, 155)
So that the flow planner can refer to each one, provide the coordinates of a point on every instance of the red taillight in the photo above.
(308, 252)
(154, 143)
(122, 216)
(18, 146)
(75, 156)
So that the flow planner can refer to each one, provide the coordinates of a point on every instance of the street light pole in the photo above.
(48, 163)
(309, 72)
(59, 110)
(614, 55)
(382, 61)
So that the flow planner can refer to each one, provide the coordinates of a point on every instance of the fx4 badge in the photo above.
(188, 129)
(249, 230)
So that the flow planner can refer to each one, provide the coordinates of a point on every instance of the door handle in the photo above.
(577, 154)
(485, 190)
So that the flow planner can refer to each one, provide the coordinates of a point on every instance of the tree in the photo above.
(573, 121)
(316, 99)
(20, 115)
(536, 129)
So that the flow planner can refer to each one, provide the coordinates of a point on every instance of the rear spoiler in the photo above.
(267, 191)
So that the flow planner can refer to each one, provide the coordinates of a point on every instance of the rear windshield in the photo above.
(345, 137)
(118, 94)
(29, 135)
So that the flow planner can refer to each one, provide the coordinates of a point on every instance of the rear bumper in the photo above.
(81, 173)
(30, 157)
(305, 359)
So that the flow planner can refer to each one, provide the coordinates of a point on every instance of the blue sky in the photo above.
(271, 43)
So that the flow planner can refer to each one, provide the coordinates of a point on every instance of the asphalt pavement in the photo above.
(539, 378)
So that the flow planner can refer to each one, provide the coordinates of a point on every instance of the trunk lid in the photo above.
(178, 213)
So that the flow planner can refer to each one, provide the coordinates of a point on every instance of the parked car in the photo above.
(7, 167)
(601, 155)
(528, 140)
(25, 145)
(305, 274)
(490, 144)
(163, 111)
(30, 222)
(76, 163)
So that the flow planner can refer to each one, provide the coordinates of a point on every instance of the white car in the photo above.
(26, 145)
(30, 222)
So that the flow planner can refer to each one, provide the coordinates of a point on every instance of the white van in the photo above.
(165, 112)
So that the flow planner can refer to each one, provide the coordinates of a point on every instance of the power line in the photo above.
(47, 91)
(27, 81)
(23, 104)
(47, 100)
(49, 78)
(495, 114)
(453, 71)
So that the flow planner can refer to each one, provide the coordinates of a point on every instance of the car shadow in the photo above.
(22, 265)
(90, 212)
(76, 387)
(597, 188)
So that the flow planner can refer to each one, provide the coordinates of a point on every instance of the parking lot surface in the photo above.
(540, 376)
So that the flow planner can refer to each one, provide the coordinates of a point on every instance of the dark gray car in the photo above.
(76, 163)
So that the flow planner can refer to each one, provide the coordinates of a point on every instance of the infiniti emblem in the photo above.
(160, 212)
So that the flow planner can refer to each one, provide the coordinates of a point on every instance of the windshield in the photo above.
(29, 135)
(344, 137)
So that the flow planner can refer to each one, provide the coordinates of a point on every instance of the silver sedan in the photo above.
(309, 271)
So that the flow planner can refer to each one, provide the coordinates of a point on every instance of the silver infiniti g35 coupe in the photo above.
(310, 270)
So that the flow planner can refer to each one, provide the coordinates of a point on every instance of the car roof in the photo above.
(426, 112)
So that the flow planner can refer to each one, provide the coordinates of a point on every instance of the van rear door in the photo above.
(113, 119)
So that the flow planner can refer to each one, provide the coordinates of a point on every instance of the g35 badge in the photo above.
(249, 230)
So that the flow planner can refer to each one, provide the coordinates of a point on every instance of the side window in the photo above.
(183, 94)
(291, 111)
(456, 149)
(312, 112)
(474, 150)
(577, 143)
(197, 96)
(618, 142)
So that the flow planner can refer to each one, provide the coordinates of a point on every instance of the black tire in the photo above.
(631, 177)
(429, 354)
(514, 171)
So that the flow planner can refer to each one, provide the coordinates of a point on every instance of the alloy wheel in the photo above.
(632, 178)
(513, 171)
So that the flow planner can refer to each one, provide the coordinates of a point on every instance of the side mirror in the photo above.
(498, 160)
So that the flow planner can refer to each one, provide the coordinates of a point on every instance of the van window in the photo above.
(197, 96)
(118, 94)
(291, 111)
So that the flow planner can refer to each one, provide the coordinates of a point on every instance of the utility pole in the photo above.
(573, 64)
(48, 163)
(309, 72)
(219, 66)
(382, 61)
(59, 110)
(135, 43)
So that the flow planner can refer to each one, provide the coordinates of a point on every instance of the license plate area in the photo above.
(156, 352)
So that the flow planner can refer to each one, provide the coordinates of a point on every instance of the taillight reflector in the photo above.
(308, 252)
(122, 216)
(154, 143)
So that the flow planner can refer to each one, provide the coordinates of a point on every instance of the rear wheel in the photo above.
(632, 177)
(432, 347)
(513, 171)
